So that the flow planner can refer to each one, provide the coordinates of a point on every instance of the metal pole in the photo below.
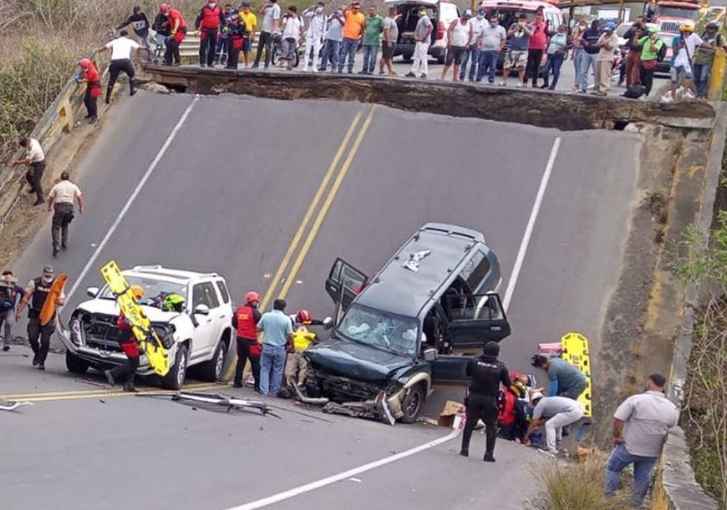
(620, 11)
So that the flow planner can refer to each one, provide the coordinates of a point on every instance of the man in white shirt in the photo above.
(684, 48)
(292, 34)
(271, 24)
(315, 34)
(121, 49)
(640, 426)
(35, 159)
(61, 199)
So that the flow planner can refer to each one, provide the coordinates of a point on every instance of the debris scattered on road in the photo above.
(8, 405)
(218, 399)
(428, 421)
(102, 401)
(451, 414)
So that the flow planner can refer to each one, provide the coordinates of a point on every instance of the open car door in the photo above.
(474, 320)
(344, 283)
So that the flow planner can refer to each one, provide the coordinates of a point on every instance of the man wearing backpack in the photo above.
(653, 51)
(704, 56)
(684, 47)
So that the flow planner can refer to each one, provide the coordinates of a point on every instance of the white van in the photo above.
(442, 14)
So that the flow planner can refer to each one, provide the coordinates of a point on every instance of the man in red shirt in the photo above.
(208, 23)
(128, 344)
(536, 47)
(245, 320)
(178, 33)
(89, 76)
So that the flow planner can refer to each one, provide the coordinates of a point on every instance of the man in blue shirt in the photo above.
(277, 330)
(565, 379)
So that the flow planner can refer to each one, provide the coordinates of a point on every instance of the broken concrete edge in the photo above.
(57, 119)
(676, 487)
(568, 112)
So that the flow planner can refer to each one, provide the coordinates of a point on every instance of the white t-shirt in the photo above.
(34, 152)
(691, 43)
(65, 192)
(292, 28)
(461, 34)
(121, 48)
(272, 12)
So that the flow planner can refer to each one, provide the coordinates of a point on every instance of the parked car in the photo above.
(198, 337)
(507, 11)
(442, 14)
(415, 324)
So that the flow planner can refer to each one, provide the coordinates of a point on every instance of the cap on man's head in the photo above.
(48, 270)
(537, 395)
(610, 26)
(467, 13)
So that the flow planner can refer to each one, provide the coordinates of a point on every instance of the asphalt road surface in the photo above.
(229, 195)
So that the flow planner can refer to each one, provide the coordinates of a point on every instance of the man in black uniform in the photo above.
(487, 373)
(36, 293)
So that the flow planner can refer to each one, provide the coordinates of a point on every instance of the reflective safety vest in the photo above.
(246, 325)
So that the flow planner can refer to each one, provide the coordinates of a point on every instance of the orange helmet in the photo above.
(164, 8)
(85, 63)
(137, 291)
(251, 297)
(304, 317)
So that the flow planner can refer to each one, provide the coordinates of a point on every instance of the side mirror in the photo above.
(328, 323)
(202, 310)
(430, 354)
(92, 292)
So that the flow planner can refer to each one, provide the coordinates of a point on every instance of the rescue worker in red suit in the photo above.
(129, 346)
(245, 320)
(208, 23)
(236, 33)
(178, 31)
(89, 76)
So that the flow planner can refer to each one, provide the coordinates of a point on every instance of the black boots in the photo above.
(488, 457)
(132, 86)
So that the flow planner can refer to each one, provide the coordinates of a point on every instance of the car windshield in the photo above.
(676, 12)
(152, 288)
(384, 330)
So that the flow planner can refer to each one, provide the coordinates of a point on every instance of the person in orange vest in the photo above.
(208, 23)
(245, 320)
(177, 34)
(89, 75)
(129, 346)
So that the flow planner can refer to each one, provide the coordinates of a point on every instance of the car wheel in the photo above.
(413, 403)
(76, 365)
(212, 370)
(174, 380)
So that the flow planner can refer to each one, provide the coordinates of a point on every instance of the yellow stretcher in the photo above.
(575, 352)
(148, 339)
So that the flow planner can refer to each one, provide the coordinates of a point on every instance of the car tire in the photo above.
(413, 404)
(76, 365)
(213, 369)
(174, 380)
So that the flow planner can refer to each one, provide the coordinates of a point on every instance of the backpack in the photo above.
(661, 55)
(634, 91)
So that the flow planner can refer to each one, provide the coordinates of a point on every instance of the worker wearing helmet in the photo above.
(128, 344)
(704, 56)
(89, 75)
(652, 47)
(245, 320)
(684, 47)
(178, 31)
(296, 366)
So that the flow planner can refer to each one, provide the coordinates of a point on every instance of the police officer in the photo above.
(128, 344)
(245, 320)
(60, 200)
(36, 293)
(487, 373)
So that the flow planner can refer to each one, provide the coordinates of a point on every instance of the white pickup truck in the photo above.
(199, 336)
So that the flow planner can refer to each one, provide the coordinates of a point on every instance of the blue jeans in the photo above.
(272, 361)
(487, 64)
(553, 64)
(577, 55)
(370, 53)
(643, 467)
(474, 53)
(348, 49)
(330, 54)
(701, 78)
(588, 61)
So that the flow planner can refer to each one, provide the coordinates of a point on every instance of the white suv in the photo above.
(199, 336)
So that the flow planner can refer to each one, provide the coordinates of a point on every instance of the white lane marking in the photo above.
(512, 282)
(133, 196)
(297, 491)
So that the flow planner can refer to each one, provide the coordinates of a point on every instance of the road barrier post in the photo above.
(717, 78)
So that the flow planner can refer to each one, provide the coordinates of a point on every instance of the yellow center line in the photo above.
(67, 395)
(326, 205)
(303, 225)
